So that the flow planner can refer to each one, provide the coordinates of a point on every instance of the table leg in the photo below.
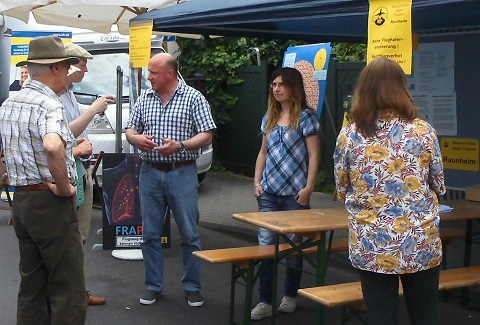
(321, 273)
(467, 257)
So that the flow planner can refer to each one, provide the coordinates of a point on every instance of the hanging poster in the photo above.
(312, 62)
(390, 31)
(122, 216)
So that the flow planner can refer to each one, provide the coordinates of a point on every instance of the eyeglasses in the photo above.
(274, 85)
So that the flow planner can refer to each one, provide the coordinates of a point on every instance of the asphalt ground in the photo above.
(220, 195)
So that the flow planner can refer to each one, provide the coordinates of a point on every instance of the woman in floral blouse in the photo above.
(388, 171)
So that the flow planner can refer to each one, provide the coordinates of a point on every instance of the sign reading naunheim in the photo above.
(460, 153)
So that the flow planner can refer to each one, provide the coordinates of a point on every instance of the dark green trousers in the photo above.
(51, 260)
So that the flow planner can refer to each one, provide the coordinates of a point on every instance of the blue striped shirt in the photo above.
(72, 111)
(185, 115)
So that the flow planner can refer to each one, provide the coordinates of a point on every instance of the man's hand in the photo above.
(83, 149)
(66, 190)
(169, 147)
(143, 142)
(100, 104)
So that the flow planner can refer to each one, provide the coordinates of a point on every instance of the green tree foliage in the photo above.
(349, 52)
(218, 59)
(215, 59)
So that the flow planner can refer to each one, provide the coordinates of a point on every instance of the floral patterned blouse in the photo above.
(389, 184)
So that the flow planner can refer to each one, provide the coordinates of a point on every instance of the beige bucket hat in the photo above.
(77, 51)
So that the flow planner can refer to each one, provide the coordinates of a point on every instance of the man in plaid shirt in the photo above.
(169, 123)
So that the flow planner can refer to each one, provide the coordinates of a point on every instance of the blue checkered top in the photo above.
(286, 167)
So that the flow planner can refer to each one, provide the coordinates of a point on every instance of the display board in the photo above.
(122, 216)
(312, 62)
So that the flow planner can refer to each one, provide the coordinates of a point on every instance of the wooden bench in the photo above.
(244, 260)
(241, 256)
(350, 294)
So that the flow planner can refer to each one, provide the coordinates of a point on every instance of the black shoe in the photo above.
(194, 298)
(149, 297)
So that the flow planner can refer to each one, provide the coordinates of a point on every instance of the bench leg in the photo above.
(349, 312)
(249, 282)
(232, 293)
(321, 273)
(249, 278)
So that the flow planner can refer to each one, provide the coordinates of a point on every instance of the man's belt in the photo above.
(35, 187)
(166, 167)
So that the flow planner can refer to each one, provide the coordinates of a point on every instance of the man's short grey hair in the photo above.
(35, 69)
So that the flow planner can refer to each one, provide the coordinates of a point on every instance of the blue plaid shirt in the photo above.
(185, 115)
(286, 167)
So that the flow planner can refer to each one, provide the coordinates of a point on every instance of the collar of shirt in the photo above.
(41, 87)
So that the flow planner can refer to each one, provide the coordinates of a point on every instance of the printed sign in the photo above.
(140, 44)
(390, 32)
(460, 153)
(122, 216)
(19, 52)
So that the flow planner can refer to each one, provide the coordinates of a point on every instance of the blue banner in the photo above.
(312, 62)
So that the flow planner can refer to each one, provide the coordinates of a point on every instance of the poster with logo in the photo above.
(19, 52)
(390, 31)
(122, 216)
(312, 62)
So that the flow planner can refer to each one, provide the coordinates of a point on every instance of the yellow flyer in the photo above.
(390, 31)
(140, 44)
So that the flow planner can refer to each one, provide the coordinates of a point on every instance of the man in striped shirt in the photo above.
(78, 120)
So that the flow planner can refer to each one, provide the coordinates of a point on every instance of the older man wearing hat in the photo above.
(38, 152)
(78, 120)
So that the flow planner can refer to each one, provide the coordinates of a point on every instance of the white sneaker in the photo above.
(287, 305)
(260, 311)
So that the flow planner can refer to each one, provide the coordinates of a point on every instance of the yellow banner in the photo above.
(390, 31)
(460, 153)
(140, 43)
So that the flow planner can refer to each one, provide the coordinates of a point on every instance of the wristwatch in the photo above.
(182, 147)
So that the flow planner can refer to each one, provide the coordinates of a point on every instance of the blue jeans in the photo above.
(271, 202)
(177, 190)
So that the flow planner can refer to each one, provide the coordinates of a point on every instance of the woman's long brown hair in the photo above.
(382, 85)
(292, 79)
